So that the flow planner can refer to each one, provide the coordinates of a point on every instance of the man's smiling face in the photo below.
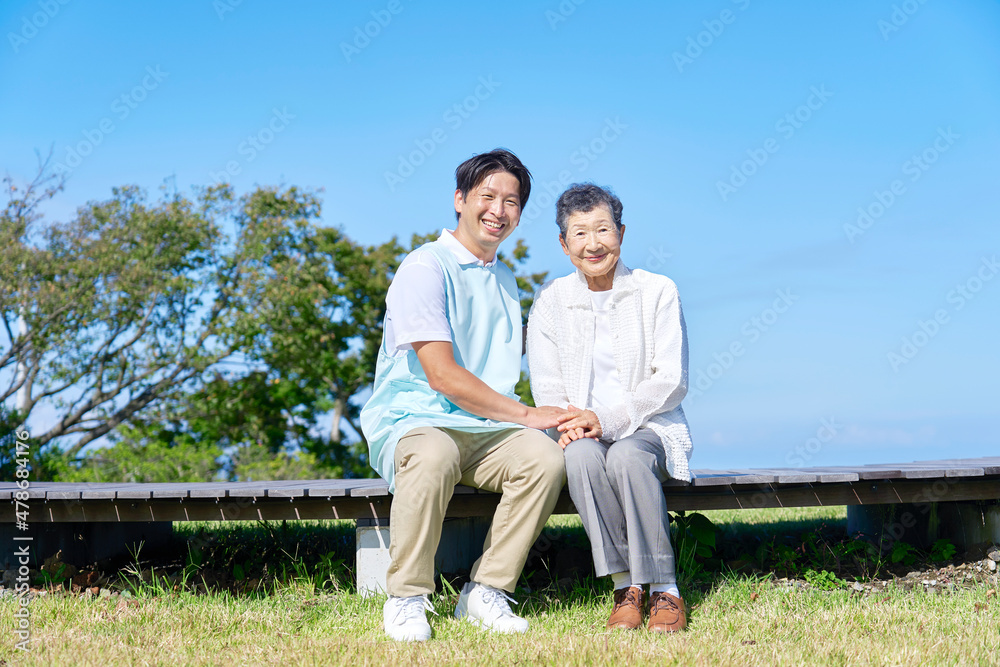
(488, 213)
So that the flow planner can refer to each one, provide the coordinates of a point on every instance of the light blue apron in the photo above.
(484, 312)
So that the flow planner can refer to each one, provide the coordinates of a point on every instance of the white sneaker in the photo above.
(487, 607)
(405, 618)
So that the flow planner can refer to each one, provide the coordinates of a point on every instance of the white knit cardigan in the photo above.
(650, 351)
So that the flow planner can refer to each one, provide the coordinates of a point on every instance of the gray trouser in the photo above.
(617, 491)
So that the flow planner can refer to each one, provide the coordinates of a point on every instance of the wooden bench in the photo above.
(66, 512)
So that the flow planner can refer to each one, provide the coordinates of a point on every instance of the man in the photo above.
(443, 409)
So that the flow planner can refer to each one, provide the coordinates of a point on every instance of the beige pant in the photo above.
(524, 465)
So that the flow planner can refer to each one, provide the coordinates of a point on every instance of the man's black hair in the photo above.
(474, 171)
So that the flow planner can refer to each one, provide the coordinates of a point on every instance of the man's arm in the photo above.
(468, 392)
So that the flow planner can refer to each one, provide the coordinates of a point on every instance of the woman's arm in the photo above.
(547, 385)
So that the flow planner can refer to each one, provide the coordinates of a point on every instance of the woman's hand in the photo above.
(580, 421)
(570, 436)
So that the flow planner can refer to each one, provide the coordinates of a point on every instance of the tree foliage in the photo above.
(203, 337)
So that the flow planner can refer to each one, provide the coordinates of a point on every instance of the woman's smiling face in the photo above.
(593, 244)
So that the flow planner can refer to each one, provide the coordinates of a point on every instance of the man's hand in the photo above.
(580, 420)
(544, 417)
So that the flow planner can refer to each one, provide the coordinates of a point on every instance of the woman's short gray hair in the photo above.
(585, 197)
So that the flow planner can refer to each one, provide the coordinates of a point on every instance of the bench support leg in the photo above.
(461, 544)
(371, 541)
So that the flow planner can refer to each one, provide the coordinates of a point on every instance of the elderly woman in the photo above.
(611, 341)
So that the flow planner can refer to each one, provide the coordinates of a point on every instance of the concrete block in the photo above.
(461, 544)
(372, 560)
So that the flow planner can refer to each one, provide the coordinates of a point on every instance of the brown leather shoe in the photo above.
(666, 613)
(627, 612)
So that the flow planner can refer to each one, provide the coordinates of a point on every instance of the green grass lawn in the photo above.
(744, 619)
(798, 516)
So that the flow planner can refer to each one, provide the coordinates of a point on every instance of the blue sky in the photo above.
(820, 180)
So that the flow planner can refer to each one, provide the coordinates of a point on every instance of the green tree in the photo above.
(129, 304)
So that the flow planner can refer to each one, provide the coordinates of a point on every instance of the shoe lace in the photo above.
(497, 599)
(413, 607)
(663, 601)
(630, 597)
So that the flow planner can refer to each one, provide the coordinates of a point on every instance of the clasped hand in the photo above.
(576, 424)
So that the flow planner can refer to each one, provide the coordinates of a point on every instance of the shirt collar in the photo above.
(461, 253)
(580, 294)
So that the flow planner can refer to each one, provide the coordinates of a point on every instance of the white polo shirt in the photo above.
(415, 310)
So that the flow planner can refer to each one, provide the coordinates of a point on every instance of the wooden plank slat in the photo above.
(725, 478)
(139, 491)
(207, 490)
(756, 473)
(965, 472)
(797, 478)
(62, 495)
(780, 475)
(328, 488)
(367, 488)
(880, 473)
(288, 492)
(134, 494)
(178, 492)
(247, 489)
(923, 473)
(836, 477)
(97, 493)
